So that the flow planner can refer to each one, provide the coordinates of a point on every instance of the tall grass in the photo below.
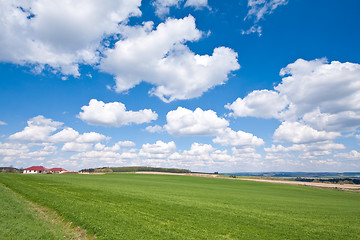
(131, 206)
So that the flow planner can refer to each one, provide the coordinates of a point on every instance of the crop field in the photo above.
(135, 206)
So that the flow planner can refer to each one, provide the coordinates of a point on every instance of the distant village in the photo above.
(41, 169)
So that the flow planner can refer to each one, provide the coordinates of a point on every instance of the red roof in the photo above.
(57, 169)
(37, 168)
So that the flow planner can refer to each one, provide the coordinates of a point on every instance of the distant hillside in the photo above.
(135, 169)
(298, 174)
(10, 170)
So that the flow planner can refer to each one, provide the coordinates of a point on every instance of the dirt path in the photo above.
(350, 187)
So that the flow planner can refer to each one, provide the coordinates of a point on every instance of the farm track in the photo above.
(346, 187)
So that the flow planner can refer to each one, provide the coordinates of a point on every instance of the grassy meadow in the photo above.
(20, 220)
(135, 206)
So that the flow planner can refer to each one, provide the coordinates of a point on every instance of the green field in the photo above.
(135, 206)
(21, 220)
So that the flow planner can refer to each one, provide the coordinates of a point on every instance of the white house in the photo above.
(57, 170)
(36, 169)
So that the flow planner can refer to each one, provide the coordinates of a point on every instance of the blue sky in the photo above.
(228, 86)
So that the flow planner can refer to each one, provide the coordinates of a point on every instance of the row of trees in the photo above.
(330, 180)
(134, 169)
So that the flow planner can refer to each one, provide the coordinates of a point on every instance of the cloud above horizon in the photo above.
(316, 99)
(114, 114)
(163, 60)
(59, 35)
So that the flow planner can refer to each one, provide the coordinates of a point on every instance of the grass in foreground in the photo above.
(130, 206)
(19, 220)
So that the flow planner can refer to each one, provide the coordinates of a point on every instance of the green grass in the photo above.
(19, 220)
(131, 206)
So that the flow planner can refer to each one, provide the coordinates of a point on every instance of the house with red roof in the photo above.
(57, 170)
(36, 169)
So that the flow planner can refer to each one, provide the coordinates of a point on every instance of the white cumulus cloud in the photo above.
(183, 122)
(39, 128)
(114, 114)
(323, 98)
(229, 137)
(65, 135)
(76, 147)
(296, 132)
(262, 104)
(163, 60)
(159, 149)
(352, 155)
(59, 34)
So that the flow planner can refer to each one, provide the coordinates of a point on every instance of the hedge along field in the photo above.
(135, 206)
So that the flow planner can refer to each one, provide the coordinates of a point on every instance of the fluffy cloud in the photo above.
(319, 86)
(319, 100)
(61, 35)
(76, 147)
(301, 153)
(201, 156)
(38, 129)
(117, 146)
(239, 139)
(65, 135)
(162, 59)
(91, 137)
(197, 155)
(352, 155)
(3, 123)
(320, 146)
(296, 132)
(41, 129)
(154, 129)
(183, 122)
(162, 7)
(44, 152)
(13, 150)
(98, 157)
(159, 149)
(262, 104)
(18, 152)
(113, 114)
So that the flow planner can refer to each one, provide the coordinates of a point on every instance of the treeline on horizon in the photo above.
(330, 180)
(300, 174)
(134, 169)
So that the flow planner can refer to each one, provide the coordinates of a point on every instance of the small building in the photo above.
(57, 170)
(36, 169)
